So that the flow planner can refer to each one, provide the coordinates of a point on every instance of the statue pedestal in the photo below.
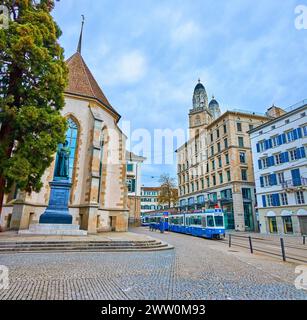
(57, 211)
(53, 230)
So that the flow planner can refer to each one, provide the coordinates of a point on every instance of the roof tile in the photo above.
(82, 82)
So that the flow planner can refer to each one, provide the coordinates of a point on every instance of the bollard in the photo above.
(229, 240)
(304, 239)
(250, 244)
(283, 249)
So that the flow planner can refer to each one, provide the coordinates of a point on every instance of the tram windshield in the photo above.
(219, 221)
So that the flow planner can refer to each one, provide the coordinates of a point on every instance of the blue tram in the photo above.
(207, 224)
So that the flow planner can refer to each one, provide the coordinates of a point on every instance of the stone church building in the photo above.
(97, 163)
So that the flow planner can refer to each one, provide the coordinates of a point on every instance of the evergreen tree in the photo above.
(32, 82)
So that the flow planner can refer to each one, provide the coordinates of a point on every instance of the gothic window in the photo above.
(71, 138)
(102, 146)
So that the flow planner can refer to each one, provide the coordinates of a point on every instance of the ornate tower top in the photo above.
(200, 98)
(214, 108)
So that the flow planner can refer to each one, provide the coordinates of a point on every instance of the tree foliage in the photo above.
(168, 191)
(32, 82)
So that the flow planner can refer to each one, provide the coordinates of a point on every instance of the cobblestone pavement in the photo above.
(196, 269)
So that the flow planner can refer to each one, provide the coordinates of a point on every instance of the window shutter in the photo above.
(275, 200)
(299, 132)
(258, 147)
(260, 164)
(295, 135)
(263, 201)
(279, 140)
(273, 179)
(261, 182)
(285, 157)
(271, 161)
(270, 143)
(266, 144)
(296, 177)
(283, 137)
(303, 152)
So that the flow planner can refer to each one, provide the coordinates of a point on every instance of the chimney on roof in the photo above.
(275, 112)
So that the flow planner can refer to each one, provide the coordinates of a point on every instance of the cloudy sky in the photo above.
(147, 56)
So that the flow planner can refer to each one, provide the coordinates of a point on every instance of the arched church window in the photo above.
(71, 138)
(102, 142)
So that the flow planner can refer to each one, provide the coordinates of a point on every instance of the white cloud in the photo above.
(131, 67)
(186, 31)
(128, 68)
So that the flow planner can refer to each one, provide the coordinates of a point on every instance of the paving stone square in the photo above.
(196, 269)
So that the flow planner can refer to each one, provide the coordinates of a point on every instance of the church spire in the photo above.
(81, 33)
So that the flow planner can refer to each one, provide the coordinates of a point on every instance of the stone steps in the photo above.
(82, 246)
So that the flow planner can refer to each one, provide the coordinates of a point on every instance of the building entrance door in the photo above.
(272, 224)
(248, 216)
(229, 216)
(113, 223)
(288, 227)
(303, 224)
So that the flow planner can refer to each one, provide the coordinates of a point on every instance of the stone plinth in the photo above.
(57, 211)
(54, 229)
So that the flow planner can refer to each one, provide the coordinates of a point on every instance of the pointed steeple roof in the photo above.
(82, 83)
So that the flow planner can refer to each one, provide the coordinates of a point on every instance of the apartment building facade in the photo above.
(134, 182)
(215, 165)
(149, 200)
(280, 165)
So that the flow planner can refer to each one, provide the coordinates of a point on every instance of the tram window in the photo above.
(210, 221)
(219, 221)
(195, 220)
(203, 220)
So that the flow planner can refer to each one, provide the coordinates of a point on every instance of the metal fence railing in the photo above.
(287, 251)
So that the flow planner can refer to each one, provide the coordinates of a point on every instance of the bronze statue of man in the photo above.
(62, 163)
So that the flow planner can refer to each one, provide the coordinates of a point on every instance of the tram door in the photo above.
(203, 222)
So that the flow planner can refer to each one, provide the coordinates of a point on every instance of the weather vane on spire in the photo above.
(81, 33)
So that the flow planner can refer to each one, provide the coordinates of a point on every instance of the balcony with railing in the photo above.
(226, 199)
(293, 184)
